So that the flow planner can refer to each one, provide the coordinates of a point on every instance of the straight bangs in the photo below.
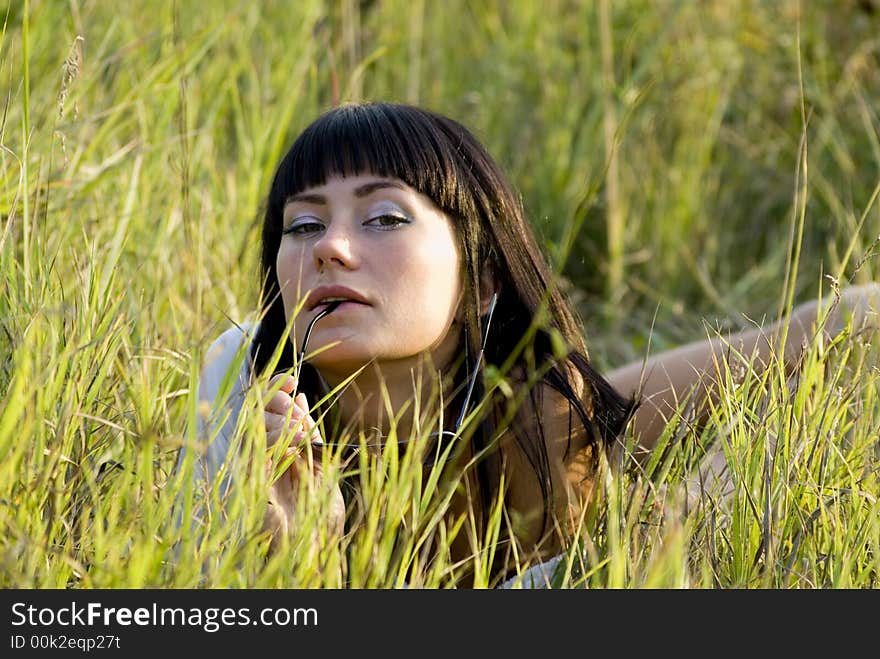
(409, 144)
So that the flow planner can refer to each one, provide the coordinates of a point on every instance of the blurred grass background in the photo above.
(664, 150)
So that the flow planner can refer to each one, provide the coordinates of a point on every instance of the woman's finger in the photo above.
(301, 404)
(279, 403)
(277, 425)
(310, 430)
(288, 384)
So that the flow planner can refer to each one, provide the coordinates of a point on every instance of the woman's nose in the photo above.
(335, 247)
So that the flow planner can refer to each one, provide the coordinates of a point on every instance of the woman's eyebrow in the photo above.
(306, 198)
(360, 191)
(372, 186)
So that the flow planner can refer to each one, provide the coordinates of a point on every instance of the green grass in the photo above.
(678, 160)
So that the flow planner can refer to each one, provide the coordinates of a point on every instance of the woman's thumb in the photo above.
(289, 385)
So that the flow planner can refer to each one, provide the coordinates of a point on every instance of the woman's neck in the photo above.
(403, 395)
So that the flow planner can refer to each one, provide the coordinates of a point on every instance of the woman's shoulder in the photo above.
(229, 348)
(555, 415)
(561, 421)
(233, 336)
(549, 417)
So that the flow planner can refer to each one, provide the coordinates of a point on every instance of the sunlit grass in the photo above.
(134, 154)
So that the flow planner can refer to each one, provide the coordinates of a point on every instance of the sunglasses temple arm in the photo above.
(330, 308)
(473, 379)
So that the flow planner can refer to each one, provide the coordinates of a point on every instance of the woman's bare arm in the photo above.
(691, 372)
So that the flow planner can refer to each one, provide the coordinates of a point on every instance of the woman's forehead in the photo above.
(361, 183)
(358, 186)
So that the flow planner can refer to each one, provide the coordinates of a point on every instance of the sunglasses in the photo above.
(472, 377)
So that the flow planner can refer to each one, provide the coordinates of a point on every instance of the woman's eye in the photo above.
(304, 227)
(387, 221)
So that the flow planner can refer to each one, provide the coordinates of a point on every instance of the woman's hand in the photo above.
(287, 418)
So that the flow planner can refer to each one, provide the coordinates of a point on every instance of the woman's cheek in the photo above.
(287, 268)
(284, 261)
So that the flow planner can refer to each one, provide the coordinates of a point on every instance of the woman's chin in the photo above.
(341, 360)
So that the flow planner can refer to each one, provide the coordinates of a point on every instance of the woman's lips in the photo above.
(326, 294)
(347, 304)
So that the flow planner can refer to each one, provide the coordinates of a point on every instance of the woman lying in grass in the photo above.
(405, 301)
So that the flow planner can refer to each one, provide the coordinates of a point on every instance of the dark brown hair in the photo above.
(441, 159)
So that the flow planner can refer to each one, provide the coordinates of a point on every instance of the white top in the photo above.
(228, 359)
(216, 415)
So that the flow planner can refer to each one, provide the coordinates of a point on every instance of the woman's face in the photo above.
(388, 250)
